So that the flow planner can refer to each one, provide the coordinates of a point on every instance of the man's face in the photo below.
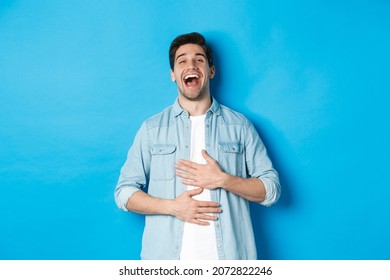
(192, 72)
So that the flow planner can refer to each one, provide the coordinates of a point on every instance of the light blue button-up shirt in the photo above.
(164, 139)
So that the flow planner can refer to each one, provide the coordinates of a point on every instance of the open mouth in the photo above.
(191, 80)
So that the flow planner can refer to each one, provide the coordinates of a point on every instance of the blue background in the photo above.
(77, 78)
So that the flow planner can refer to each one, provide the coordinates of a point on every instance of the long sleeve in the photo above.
(260, 166)
(135, 172)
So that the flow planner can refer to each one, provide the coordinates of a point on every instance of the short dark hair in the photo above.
(190, 38)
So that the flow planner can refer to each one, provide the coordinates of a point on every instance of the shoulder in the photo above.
(232, 117)
(160, 119)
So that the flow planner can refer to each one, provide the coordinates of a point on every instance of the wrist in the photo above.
(225, 180)
(167, 207)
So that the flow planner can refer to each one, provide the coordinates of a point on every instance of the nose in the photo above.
(192, 64)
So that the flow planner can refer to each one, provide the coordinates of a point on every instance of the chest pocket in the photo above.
(163, 162)
(230, 157)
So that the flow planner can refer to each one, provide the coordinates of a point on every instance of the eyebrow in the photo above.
(184, 54)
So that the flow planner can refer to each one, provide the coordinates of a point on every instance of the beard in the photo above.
(194, 94)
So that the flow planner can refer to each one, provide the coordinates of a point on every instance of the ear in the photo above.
(212, 72)
(173, 76)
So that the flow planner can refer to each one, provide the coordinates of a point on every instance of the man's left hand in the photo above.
(206, 176)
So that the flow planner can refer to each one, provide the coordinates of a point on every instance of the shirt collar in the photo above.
(178, 110)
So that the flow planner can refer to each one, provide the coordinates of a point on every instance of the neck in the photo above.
(195, 107)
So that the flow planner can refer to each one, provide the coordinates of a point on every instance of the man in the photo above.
(194, 167)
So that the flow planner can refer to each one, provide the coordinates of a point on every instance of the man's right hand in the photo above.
(183, 207)
(190, 210)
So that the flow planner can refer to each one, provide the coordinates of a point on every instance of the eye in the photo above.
(181, 61)
(200, 60)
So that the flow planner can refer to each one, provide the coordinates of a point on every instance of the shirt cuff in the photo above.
(123, 196)
(272, 192)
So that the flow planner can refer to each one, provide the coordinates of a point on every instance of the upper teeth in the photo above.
(191, 76)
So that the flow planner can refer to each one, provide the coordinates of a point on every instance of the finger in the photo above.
(191, 183)
(211, 210)
(195, 192)
(199, 222)
(184, 168)
(185, 175)
(207, 217)
(206, 156)
(185, 172)
(208, 204)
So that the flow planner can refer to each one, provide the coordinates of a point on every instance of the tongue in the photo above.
(192, 82)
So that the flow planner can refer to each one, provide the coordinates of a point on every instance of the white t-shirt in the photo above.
(199, 242)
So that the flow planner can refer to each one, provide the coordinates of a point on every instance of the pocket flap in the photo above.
(163, 149)
(230, 147)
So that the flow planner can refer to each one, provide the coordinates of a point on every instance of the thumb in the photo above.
(206, 156)
(195, 191)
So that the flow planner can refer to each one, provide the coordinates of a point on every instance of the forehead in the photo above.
(190, 49)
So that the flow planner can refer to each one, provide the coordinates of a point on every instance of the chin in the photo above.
(193, 97)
